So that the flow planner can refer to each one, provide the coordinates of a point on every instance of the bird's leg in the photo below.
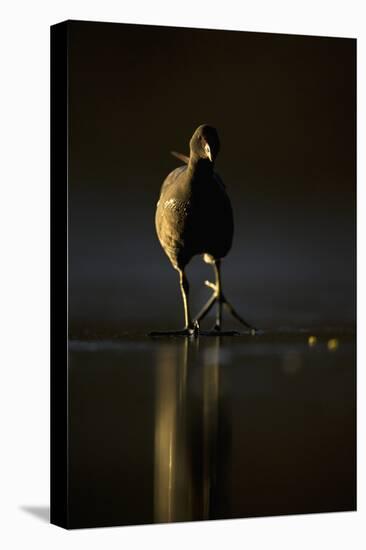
(235, 314)
(191, 327)
(184, 287)
(218, 292)
(211, 301)
(207, 307)
(219, 297)
(221, 300)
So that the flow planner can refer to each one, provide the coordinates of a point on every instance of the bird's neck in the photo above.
(200, 167)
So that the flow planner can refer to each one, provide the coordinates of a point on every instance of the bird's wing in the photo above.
(171, 179)
(180, 156)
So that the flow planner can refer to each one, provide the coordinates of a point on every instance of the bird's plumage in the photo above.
(194, 214)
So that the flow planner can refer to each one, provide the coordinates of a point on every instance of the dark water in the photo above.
(176, 430)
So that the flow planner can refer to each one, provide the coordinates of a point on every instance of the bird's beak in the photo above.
(208, 151)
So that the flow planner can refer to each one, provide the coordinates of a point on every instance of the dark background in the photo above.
(284, 107)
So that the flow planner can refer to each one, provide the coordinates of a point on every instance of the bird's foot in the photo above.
(213, 286)
(219, 332)
(183, 332)
(191, 331)
(215, 332)
(252, 330)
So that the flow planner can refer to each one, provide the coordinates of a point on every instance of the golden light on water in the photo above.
(332, 344)
(312, 340)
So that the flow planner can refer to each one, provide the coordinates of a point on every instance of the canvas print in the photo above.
(203, 274)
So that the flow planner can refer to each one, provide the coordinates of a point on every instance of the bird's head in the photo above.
(204, 143)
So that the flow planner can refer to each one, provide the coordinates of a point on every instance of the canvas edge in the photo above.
(59, 513)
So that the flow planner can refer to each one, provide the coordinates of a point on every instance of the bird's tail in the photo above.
(180, 156)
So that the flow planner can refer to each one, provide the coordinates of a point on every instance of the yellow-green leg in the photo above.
(190, 326)
(218, 285)
(219, 298)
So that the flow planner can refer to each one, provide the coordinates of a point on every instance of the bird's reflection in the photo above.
(188, 410)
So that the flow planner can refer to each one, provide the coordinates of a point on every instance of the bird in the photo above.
(193, 217)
